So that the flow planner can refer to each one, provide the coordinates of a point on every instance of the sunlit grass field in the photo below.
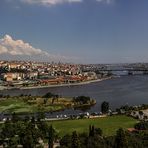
(19, 106)
(32, 104)
(109, 125)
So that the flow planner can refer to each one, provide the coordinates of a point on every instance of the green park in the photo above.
(109, 124)
(46, 103)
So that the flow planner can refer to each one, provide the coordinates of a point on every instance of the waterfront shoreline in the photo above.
(57, 85)
(63, 85)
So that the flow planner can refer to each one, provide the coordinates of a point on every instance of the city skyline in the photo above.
(78, 31)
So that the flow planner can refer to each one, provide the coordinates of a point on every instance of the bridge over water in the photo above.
(123, 69)
(129, 71)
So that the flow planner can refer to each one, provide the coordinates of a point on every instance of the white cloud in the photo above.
(50, 2)
(105, 1)
(18, 47)
(55, 2)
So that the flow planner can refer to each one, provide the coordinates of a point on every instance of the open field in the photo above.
(19, 106)
(29, 104)
(109, 125)
(14, 105)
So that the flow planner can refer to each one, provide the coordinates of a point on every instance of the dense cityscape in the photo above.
(20, 73)
(17, 74)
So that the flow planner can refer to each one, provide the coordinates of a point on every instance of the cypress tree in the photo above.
(91, 131)
(120, 139)
(75, 140)
(51, 137)
(105, 107)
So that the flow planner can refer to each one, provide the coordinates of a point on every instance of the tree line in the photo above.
(29, 132)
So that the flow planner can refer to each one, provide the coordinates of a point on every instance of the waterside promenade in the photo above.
(55, 85)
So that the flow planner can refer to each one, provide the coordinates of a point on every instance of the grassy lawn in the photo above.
(30, 104)
(13, 105)
(19, 106)
(109, 125)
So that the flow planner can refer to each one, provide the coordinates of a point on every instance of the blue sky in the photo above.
(81, 31)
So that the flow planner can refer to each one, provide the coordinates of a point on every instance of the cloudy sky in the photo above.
(80, 31)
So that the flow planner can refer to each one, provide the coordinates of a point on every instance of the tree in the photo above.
(13, 142)
(98, 131)
(91, 131)
(26, 139)
(121, 139)
(83, 138)
(95, 142)
(30, 135)
(45, 100)
(41, 116)
(8, 130)
(51, 137)
(66, 141)
(15, 117)
(75, 140)
(48, 95)
(105, 107)
(26, 119)
(142, 125)
(81, 99)
(43, 127)
(94, 131)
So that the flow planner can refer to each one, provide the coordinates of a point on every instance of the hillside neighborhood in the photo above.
(23, 74)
